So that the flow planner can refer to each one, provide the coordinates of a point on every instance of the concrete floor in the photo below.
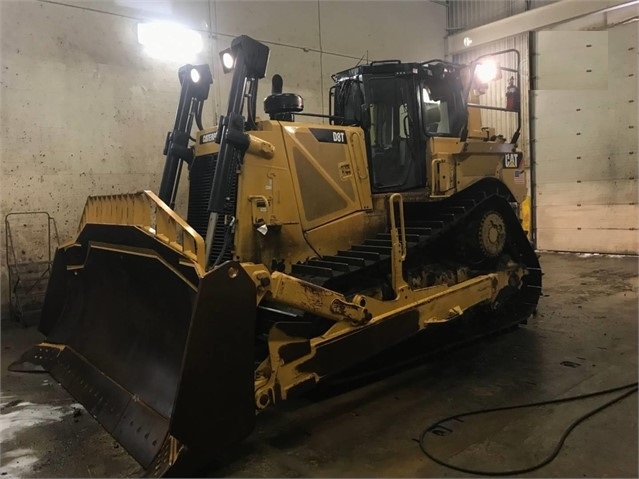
(587, 320)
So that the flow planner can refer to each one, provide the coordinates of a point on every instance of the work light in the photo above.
(486, 71)
(228, 60)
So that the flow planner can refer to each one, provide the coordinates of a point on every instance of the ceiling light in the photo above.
(169, 41)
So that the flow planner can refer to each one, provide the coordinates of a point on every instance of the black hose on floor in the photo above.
(631, 389)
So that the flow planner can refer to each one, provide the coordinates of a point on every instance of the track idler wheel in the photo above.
(491, 234)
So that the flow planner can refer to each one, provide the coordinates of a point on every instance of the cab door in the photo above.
(396, 161)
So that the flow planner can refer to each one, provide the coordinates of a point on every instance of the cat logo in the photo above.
(511, 160)
(207, 138)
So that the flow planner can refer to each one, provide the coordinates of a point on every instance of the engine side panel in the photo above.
(312, 194)
(330, 181)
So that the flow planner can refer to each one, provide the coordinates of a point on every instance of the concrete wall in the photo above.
(311, 40)
(84, 111)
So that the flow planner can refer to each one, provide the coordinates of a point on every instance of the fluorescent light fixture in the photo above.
(169, 41)
(486, 71)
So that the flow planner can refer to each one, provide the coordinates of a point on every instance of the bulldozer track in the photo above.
(426, 224)
(431, 226)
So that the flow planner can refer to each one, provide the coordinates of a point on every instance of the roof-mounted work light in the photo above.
(487, 71)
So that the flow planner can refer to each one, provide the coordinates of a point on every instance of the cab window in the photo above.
(391, 134)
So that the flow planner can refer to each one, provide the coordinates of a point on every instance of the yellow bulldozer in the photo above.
(308, 248)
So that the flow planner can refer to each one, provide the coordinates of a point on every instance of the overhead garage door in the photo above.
(585, 140)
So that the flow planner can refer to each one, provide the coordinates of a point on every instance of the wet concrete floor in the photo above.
(583, 339)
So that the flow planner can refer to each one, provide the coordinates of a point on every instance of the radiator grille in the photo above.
(200, 184)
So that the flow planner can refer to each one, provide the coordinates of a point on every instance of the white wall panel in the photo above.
(572, 61)
(592, 166)
(603, 240)
(587, 192)
(592, 192)
(586, 140)
(574, 216)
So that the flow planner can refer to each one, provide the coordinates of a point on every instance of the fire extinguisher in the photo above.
(512, 95)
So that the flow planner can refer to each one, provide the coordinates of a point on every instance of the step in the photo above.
(350, 260)
(367, 255)
(373, 249)
(335, 266)
(452, 210)
(378, 242)
(419, 231)
(307, 270)
(410, 238)
(467, 203)
(433, 224)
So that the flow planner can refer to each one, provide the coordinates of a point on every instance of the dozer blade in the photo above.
(160, 355)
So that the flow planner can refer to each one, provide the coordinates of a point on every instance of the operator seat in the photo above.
(432, 117)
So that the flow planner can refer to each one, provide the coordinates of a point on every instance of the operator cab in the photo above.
(399, 105)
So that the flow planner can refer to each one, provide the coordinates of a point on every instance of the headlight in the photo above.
(195, 75)
(228, 60)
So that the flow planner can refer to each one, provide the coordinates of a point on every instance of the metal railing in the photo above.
(28, 273)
